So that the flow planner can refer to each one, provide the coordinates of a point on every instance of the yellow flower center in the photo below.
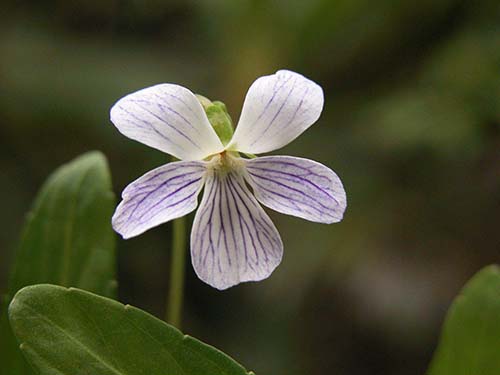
(225, 162)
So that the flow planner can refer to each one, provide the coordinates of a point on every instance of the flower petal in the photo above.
(169, 118)
(163, 194)
(233, 240)
(299, 187)
(277, 109)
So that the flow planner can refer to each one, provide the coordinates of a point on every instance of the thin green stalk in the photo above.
(176, 292)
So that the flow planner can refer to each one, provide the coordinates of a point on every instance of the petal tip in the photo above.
(222, 286)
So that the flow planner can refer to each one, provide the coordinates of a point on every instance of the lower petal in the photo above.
(161, 195)
(298, 187)
(232, 240)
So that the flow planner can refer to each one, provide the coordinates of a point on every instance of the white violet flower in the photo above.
(233, 239)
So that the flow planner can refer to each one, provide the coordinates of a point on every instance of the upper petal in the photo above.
(277, 109)
(298, 187)
(163, 194)
(169, 118)
(232, 240)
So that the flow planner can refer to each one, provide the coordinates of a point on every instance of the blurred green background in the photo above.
(411, 124)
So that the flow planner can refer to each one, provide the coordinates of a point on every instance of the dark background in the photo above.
(411, 125)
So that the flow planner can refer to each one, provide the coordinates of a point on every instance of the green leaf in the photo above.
(11, 359)
(67, 240)
(470, 341)
(69, 331)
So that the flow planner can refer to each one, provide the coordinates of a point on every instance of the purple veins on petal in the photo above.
(299, 187)
(232, 240)
(163, 194)
(278, 112)
(161, 119)
(270, 101)
(169, 118)
(277, 109)
(258, 220)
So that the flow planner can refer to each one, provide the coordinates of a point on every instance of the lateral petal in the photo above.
(298, 187)
(232, 240)
(161, 195)
(169, 118)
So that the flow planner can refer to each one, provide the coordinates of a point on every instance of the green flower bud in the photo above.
(219, 118)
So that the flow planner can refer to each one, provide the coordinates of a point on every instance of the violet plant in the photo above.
(232, 240)
(62, 316)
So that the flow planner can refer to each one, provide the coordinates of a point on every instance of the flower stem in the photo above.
(175, 295)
